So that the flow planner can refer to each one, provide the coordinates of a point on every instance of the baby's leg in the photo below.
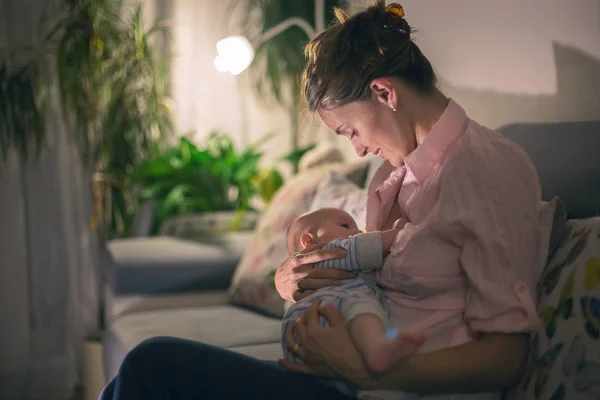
(379, 349)
(366, 320)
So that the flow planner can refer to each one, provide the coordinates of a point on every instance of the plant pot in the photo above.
(208, 224)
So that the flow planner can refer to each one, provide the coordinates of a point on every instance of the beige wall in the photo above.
(514, 60)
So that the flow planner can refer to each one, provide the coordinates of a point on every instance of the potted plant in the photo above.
(112, 88)
(216, 183)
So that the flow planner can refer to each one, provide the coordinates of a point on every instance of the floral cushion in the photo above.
(252, 284)
(338, 192)
(565, 354)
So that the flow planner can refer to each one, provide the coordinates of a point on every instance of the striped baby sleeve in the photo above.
(364, 253)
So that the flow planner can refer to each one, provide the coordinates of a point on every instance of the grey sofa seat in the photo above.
(222, 325)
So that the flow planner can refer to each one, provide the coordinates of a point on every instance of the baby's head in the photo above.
(320, 226)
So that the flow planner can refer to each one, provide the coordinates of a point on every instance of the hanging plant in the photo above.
(279, 61)
(113, 91)
(21, 115)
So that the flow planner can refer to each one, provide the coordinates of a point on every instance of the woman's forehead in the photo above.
(342, 115)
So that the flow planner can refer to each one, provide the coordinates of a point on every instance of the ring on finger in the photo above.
(301, 289)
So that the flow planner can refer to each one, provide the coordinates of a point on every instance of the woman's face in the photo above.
(373, 127)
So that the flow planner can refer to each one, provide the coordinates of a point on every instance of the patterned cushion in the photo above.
(252, 284)
(565, 354)
(338, 192)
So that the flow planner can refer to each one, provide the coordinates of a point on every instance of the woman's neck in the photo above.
(425, 111)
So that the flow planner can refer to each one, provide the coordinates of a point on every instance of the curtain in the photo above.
(49, 258)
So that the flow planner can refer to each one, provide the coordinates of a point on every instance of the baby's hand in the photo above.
(399, 224)
(388, 238)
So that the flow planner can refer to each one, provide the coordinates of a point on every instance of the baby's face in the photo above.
(321, 226)
(331, 224)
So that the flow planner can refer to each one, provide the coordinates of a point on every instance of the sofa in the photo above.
(165, 286)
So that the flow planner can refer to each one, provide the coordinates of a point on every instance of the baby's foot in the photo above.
(394, 349)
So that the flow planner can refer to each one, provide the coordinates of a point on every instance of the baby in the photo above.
(360, 301)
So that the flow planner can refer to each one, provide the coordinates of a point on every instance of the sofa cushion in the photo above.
(567, 159)
(339, 192)
(119, 305)
(565, 353)
(552, 231)
(252, 284)
(166, 265)
(223, 326)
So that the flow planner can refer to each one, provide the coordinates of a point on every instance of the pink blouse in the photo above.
(465, 263)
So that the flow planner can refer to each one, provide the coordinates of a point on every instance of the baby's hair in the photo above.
(344, 59)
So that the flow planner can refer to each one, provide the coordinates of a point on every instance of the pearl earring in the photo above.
(394, 109)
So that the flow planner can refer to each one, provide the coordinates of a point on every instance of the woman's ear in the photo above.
(384, 92)
(307, 240)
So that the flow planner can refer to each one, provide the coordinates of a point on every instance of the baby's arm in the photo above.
(364, 252)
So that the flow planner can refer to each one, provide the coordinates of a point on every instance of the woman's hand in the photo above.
(296, 278)
(327, 351)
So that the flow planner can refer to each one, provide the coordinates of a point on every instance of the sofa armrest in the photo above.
(158, 265)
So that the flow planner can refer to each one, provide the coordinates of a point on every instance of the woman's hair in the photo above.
(345, 58)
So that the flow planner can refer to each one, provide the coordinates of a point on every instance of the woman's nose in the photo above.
(361, 150)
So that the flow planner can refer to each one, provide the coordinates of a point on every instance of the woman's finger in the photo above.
(311, 315)
(300, 368)
(290, 337)
(330, 273)
(294, 345)
(300, 329)
(320, 255)
(312, 284)
(332, 314)
(299, 295)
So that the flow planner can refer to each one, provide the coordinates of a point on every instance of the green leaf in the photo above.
(248, 168)
(567, 290)
(153, 190)
(176, 196)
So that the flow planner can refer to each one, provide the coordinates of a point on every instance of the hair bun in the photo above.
(395, 10)
(395, 19)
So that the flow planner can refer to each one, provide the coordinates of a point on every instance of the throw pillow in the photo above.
(252, 284)
(565, 354)
(337, 191)
(553, 220)
(324, 153)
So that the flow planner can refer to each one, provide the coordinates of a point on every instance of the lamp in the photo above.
(235, 53)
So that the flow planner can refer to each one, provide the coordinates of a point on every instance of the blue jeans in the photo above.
(169, 368)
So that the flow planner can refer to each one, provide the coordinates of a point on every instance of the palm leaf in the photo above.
(21, 110)
(279, 61)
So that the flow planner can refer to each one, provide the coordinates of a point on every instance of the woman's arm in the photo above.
(490, 363)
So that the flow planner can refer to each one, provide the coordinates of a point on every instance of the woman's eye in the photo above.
(347, 226)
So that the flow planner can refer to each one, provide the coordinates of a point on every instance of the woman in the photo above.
(462, 271)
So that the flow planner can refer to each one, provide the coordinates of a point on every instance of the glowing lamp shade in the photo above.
(235, 53)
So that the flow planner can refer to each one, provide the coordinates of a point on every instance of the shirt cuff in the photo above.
(370, 255)
(522, 318)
